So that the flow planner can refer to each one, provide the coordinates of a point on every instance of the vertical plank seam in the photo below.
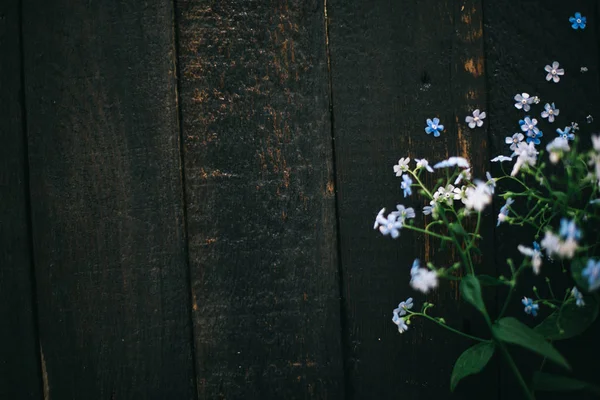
(41, 368)
(490, 138)
(176, 44)
(343, 320)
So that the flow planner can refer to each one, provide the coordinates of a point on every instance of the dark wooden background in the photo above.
(188, 188)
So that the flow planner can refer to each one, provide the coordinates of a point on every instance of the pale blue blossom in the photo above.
(514, 140)
(403, 306)
(403, 213)
(578, 21)
(569, 230)
(476, 120)
(402, 166)
(578, 296)
(504, 211)
(530, 307)
(405, 185)
(391, 227)
(491, 182)
(550, 112)
(523, 101)
(428, 210)
(536, 256)
(434, 127)
(401, 322)
(554, 72)
(592, 273)
(380, 219)
(565, 133)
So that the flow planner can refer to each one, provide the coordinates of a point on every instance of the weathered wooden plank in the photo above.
(394, 65)
(107, 205)
(19, 359)
(260, 199)
(521, 38)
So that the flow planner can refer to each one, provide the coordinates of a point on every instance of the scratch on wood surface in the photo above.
(463, 142)
(474, 66)
(44, 374)
(330, 191)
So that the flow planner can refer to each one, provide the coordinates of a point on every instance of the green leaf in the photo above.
(471, 292)
(487, 280)
(510, 330)
(569, 322)
(471, 362)
(457, 228)
(543, 381)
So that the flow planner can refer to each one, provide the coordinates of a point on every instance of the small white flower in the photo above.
(550, 111)
(476, 120)
(554, 72)
(583, 69)
(422, 279)
(596, 142)
(501, 159)
(523, 101)
(527, 155)
(460, 194)
(536, 257)
(423, 163)
(554, 245)
(579, 302)
(453, 162)
(402, 166)
(478, 197)
(444, 194)
(556, 148)
(464, 174)
(380, 219)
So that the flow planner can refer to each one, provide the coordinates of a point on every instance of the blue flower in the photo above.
(536, 247)
(592, 273)
(403, 307)
(405, 185)
(568, 229)
(390, 226)
(434, 127)
(530, 307)
(577, 21)
(566, 133)
(579, 302)
(528, 125)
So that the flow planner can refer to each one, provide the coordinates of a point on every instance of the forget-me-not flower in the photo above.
(402, 166)
(514, 140)
(578, 21)
(523, 101)
(405, 185)
(530, 307)
(528, 125)
(476, 120)
(568, 229)
(391, 226)
(403, 306)
(504, 211)
(565, 133)
(404, 213)
(380, 219)
(556, 148)
(422, 279)
(550, 111)
(536, 255)
(592, 273)
(423, 163)
(502, 158)
(401, 322)
(434, 127)
(453, 162)
(554, 72)
(579, 302)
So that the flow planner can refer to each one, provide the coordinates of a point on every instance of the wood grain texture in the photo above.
(393, 66)
(20, 376)
(107, 205)
(520, 39)
(260, 198)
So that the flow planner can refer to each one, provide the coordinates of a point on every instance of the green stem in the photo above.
(414, 228)
(450, 328)
(513, 367)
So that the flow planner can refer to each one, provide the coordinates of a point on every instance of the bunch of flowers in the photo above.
(554, 190)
